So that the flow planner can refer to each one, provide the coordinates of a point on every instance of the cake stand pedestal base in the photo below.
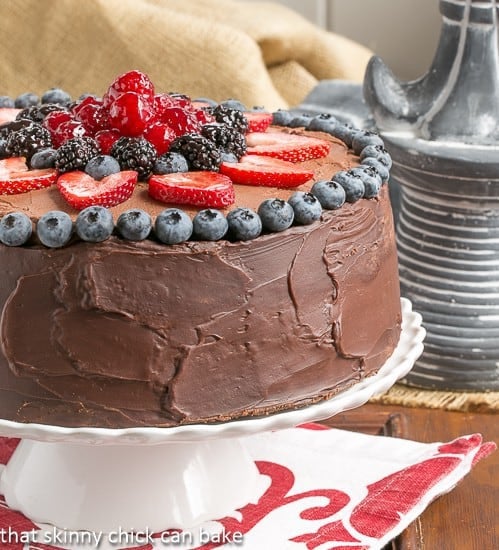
(111, 488)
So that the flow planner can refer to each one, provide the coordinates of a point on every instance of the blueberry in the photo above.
(382, 170)
(330, 194)
(234, 104)
(345, 133)
(173, 226)
(25, 100)
(94, 224)
(134, 224)
(6, 102)
(56, 95)
(378, 152)
(170, 163)
(306, 207)
(54, 228)
(281, 117)
(15, 229)
(364, 138)
(101, 166)
(209, 225)
(323, 123)
(300, 121)
(44, 158)
(276, 214)
(351, 183)
(244, 224)
(226, 156)
(370, 178)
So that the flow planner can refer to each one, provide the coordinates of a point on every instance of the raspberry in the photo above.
(132, 81)
(160, 135)
(180, 121)
(92, 114)
(130, 114)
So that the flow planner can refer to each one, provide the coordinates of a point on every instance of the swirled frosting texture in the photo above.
(128, 334)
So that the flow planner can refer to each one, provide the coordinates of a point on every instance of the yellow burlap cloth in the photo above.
(258, 52)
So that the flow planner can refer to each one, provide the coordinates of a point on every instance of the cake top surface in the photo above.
(137, 151)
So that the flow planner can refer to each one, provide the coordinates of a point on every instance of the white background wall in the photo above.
(403, 32)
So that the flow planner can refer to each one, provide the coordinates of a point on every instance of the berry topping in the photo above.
(15, 177)
(370, 178)
(131, 81)
(130, 113)
(56, 95)
(26, 141)
(134, 225)
(290, 147)
(378, 152)
(351, 183)
(231, 117)
(160, 135)
(281, 117)
(27, 99)
(300, 121)
(68, 130)
(6, 102)
(209, 225)
(200, 152)
(81, 190)
(323, 122)
(227, 139)
(170, 163)
(307, 208)
(101, 166)
(266, 171)
(180, 121)
(344, 132)
(258, 121)
(15, 229)
(74, 154)
(105, 139)
(233, 104)
(92, 114)
(209, 189)
(173, 226)
(276, 214)
(244, 224)
(364, 138)
(44, 158)
(54, 229)
(380, 168)
(135, 154)
(94, 224)
(330, 194)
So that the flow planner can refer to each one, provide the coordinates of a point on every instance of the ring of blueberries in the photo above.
(95, 224)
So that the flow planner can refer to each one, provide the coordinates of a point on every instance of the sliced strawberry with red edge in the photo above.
(265, 171)
(201, 188)
(16, 177)
(258, 121)
(81, 190)
(8, 114)
(290, 147)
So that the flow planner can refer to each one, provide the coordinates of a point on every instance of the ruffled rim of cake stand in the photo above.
(408, 350)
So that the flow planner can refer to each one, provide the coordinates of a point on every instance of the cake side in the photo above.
(125, 334)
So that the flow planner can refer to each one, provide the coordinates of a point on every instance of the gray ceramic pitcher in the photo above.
(443, 134)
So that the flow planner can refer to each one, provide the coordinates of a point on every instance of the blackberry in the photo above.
(200, 152)
(228, 139)
(9, 127)
(231, 117)
(74, 154)
(37, 113)
(26, 141)
(135, 154)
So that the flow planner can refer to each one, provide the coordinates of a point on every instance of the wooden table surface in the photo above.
(467, 518)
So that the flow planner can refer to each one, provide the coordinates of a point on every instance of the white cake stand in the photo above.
(104, 480)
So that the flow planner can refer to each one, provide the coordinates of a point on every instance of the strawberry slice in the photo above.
(258, 121)
(81, 190)
(265, 171)
(16, 177)
(8, 114)
(201, 188)
(291, 147)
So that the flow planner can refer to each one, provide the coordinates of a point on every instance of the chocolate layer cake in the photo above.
(125, 333)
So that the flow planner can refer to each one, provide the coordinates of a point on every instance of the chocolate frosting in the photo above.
(121, 334)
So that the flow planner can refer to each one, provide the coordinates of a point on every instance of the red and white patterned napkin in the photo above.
(321, 489)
